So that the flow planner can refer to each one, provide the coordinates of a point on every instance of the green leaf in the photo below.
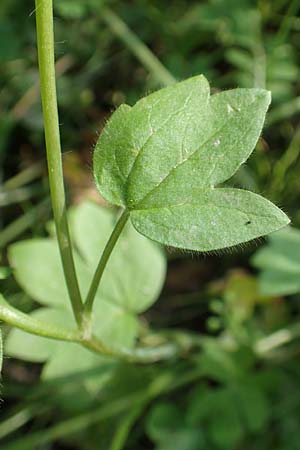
(225, 428)
(163, 158)
(112, 323)
(126, 291)
(163, 420)
(165, 425)
(217, 218)
(279, 262)
(38, 270)
(216, 411)
(254, 406)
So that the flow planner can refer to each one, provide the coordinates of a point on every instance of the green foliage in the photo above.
(166, 427)
(126, 291)
(9, 45)
(75, 9)
(278, 67)
(163, 158)
(4, 272)
(1, 352)
(218, 418)
(215, 301)
(279, 262)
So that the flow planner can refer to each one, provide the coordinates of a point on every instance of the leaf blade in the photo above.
(222, 218)
(132, 134)
(225, 143)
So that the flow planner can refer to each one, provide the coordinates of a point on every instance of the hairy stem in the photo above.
(45, 42)
(16, 318)
(25, 322)
(103, 261)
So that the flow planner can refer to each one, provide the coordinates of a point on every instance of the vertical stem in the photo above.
(45, 42)
(103, 261)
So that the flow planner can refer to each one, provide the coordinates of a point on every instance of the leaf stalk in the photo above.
(18, 319)
(88, 306)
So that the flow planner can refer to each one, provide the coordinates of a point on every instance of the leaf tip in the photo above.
(282, 219)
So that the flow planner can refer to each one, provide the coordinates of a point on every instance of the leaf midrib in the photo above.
(188, 203)
(136, 207)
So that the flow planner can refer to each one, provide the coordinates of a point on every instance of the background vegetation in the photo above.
(239, 387)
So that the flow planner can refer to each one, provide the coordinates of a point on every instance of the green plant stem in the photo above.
(16, 318)
(138, 48)
(45, 41)
(103, 261)
(122, 433)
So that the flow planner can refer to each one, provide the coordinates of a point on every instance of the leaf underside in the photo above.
(164, 158)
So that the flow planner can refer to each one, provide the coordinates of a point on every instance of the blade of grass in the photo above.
(284, 111)
(17, 420)
(24, 104)
(137, 47)
(282, 166)
(122, 433)
(10, 197)
(70, 426)
(25, 176)
(18, 226)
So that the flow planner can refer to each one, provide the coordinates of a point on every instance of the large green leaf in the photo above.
(163, 158)
(127, 289)
(217, 218)
(279, 262)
